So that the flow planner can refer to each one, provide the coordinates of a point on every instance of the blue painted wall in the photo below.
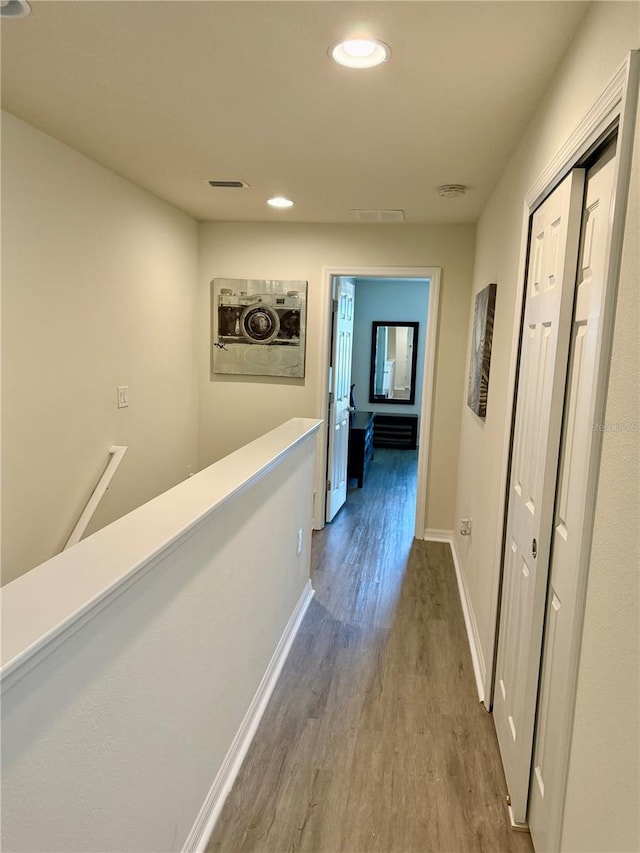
(386, 299)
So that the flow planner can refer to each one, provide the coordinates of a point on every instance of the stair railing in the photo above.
(116, 452)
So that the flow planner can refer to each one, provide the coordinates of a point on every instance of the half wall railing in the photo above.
(136, 665)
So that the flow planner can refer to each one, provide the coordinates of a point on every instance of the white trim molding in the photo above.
(428, 399)
(203, 827)
(516, 826)
(477, 658)
(607, 109)
(473, 637)
(433, 535)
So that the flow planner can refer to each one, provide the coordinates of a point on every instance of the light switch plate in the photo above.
(123, 396)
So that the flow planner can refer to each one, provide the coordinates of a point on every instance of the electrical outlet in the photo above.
(465, 526)
(300, 541)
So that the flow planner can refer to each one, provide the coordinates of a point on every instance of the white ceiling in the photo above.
(169, 93)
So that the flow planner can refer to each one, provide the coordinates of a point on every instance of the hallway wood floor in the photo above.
(374, 739)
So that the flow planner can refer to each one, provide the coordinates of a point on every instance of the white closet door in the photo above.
(548, 307)
(562, 632)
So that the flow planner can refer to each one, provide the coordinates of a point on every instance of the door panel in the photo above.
(568, 558)
(339, 395)
(543, 364)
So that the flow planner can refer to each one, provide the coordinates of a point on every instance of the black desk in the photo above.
(360, 445)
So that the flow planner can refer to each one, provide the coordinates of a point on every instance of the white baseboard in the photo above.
(433, 535)
(515, 826)
(205, 822)
(477, 659)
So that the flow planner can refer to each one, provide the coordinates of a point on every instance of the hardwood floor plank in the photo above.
(374, 739)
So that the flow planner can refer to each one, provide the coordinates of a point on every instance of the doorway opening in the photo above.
(374, 285)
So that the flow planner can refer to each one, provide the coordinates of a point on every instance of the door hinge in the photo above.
(331, 398)
(328, 485)
(334, 305)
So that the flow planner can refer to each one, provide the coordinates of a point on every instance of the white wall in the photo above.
(99, 286)
(382, 299)
(608, 32)
(114, 731)
(233, 411)
(107, 299)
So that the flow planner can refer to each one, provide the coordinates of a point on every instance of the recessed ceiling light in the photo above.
(14, 8)
(360, 53)
(280, 201)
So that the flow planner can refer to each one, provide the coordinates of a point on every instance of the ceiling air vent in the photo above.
(378, 215)
(237, 185)
(452, 190)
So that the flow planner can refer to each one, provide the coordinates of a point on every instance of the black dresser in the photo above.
(360, 445)
(400, 431)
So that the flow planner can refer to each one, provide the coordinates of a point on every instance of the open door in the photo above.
(339, 392)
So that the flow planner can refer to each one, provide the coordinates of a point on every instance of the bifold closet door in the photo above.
(548, 307)
(571, 539)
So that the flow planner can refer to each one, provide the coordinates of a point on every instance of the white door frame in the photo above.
(428, 384)
(616, 105)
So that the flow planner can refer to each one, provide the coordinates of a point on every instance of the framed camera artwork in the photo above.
(258, 327)
(480, 359)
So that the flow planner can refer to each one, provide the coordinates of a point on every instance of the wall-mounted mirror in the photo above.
(394, 353)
